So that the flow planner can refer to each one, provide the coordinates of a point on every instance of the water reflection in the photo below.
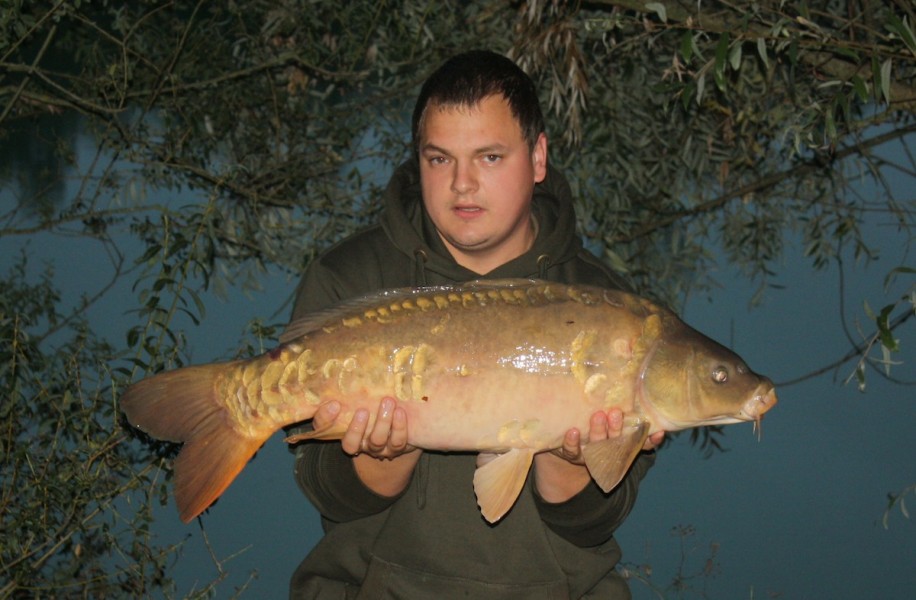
(36, 153)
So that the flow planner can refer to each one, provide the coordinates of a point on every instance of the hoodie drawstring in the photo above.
(419, 267)
(543, 265)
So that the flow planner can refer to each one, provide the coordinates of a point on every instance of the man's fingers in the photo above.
(614, 422)
(326, 414)
(378, 437)
(386, 439)
(352, 441)
(571, 449)
(654, 440)
(397, 439)
(597, 427)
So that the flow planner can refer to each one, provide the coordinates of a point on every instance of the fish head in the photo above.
(689, 380)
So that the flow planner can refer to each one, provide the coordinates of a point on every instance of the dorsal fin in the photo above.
(359, 305)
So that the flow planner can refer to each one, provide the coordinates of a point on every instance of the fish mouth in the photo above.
(764, 399)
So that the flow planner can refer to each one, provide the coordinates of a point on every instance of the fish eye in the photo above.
(720, 374)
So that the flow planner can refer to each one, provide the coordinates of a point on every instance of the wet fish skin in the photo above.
(501, 367)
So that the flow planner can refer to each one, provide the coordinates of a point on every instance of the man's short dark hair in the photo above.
(466, 79)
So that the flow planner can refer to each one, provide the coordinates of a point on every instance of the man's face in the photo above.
(477, 175)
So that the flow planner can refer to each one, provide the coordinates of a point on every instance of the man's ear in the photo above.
(539, 158)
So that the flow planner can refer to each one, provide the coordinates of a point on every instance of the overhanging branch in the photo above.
(761, 185)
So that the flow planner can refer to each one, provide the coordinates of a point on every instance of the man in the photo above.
(477, 199)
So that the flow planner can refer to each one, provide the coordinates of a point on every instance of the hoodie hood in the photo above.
(408, 226)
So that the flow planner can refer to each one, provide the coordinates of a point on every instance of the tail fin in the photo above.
(183, 406)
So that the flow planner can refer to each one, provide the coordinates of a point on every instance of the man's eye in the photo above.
(437, 160)
(492, 158)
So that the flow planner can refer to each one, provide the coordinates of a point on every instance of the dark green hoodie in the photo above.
(431, 541)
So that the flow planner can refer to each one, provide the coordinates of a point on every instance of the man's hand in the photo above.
(601, 427)
(382, 457)
(388, 437)
(561, 474)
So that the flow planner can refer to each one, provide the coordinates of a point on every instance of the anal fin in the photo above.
(335, 430)
(499, 481)
(609, 460)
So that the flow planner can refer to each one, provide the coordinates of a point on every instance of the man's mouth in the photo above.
(468, 210)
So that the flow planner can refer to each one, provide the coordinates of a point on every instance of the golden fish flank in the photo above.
(580, 354)
(352, 322)
(440, 326)
(305, 366)
(510, 366)
(596, 384)
(262, 389)
(290, 375)
(408, 364)
(258, 390)
(342, 372)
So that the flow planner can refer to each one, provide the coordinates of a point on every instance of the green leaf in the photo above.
(721, 61)
(882, 77)
(884, 331)
(860, 87)
(687, 45)
(734, 57)
(191, 315)
(886, 359)
(762, 52)
(133, 336)
(659, 9)
(150, 254)
(198, 303)
(868, 311)
(616, 262)
(830, 121)
(886, 80)
(893, 273)
(163, 282)
(902, 29)
(849, 53)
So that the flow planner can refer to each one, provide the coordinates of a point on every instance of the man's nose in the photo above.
(464, 179)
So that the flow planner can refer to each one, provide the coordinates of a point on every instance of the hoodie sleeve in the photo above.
(591, 517)
(326, 476)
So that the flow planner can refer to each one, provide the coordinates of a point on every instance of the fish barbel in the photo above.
(499, 367)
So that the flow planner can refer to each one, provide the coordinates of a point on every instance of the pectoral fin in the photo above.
(609, 460)
(499, 481)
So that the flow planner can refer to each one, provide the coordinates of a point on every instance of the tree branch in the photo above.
(854, 352)
(761, 185)
(29, 72)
